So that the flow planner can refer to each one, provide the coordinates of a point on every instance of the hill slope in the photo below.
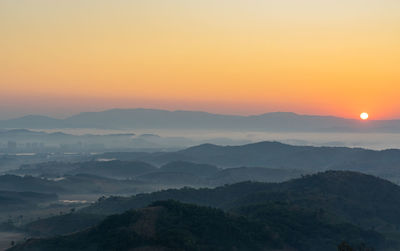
(164, 226)
(385, 163)
(10, 200)
(345, 196)
(316, 212)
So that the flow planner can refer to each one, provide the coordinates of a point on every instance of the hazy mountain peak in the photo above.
(142, 118)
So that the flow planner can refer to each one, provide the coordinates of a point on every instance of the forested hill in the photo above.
(315, 212)
(171, 225)
(385, 163)
(346, 196)
(165, 226)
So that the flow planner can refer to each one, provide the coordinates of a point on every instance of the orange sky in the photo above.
(328, 57)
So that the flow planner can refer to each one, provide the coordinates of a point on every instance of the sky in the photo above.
(331, 57)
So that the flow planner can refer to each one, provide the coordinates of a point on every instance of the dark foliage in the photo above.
(168, 225)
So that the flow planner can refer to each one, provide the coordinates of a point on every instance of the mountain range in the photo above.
(162, 119)
(383, 163)
(315, 212)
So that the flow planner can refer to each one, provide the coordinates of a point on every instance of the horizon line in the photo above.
(194, 111)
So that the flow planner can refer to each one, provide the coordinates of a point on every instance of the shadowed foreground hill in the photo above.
(344, 196)
(316, 212)
(62, 224)
(165, 225)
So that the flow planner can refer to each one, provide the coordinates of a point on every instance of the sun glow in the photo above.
(364, 116)
(228, 56)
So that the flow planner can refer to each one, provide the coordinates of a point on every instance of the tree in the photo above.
(344, 246)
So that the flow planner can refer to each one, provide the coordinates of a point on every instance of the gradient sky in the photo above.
(328, 57)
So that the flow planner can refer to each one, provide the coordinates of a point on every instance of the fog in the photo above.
(186, 138)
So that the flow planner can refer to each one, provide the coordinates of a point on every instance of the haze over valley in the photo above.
(146, 129)
(184, 125)
(66, 176)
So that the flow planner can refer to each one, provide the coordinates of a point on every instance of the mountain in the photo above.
(10, 200)
(171, 225)
(261, 174)
(384, 163)
(21, 133)
(315, 212)
(71, 184)
(29, 183)
(200, 165)
(164, 226)
(40, 141)
(162, 119)
(113, 169)
(62, 224)
(269, 154)
(309, 230)
(202, 170)
(172, 174)
(342, 196)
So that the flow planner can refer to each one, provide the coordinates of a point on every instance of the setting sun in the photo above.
(364, 116)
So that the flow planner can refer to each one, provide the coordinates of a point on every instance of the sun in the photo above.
(364, 116)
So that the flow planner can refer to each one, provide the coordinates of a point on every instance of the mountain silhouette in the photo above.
(162, 119)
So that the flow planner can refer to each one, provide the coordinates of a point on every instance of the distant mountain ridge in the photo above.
(163, 119)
